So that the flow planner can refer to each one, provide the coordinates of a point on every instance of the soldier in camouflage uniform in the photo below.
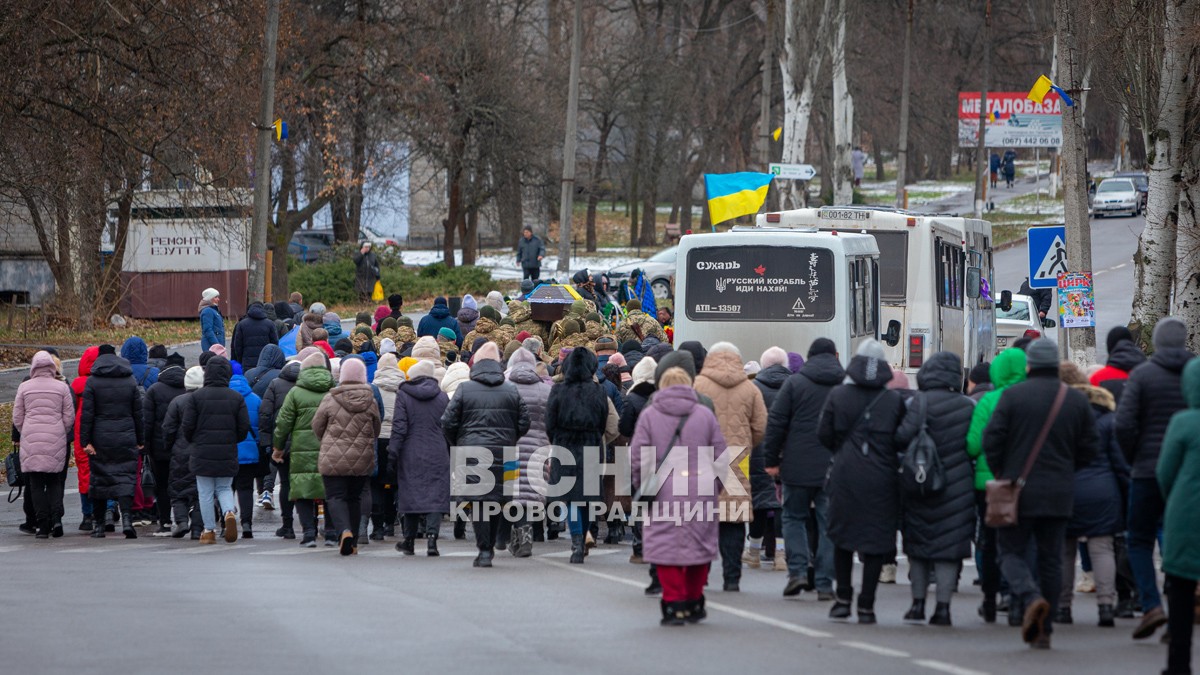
(578, 310)
(646, 324)
(573, 336)
(446, 342)
(488, 327)
(522, 318)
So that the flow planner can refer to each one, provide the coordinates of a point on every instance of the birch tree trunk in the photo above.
(800, 63)
(843, 115)
(1154, 263)
(1187, 259)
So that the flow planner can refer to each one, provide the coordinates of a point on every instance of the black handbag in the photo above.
(13, 475)
(148, 482)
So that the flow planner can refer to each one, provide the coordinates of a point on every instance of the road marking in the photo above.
(943, 667)
(875, 649)
(567, 554)
(10, 549)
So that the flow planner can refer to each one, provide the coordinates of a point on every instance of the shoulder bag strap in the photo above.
(866, 413)
(678, 430)
(1041, 439)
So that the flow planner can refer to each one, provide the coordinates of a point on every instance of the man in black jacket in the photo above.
(795, 456)
(154, 411)
(530, 252)
(215, 420)
(251, 334)
(1043, 298)
(1150, 397)
(268, 412)
(1048, 494)
(487, 411)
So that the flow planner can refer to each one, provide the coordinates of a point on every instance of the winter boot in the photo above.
(389, 529)
(655, 587)
(941, 615)
(578, 550)
(110, 521)
(1063, 616)
(407, 547)
(285, 532)
(866, 613)
(916, 612)
(522, 541)
(180, 530)
(987, 610)
(309, 540)
(127, 526)
(376, 528)
(361, 538)
(431, 548)
(673, 613)
(484, 559)
(98, 530)
(696, 612)
(460, 530)
(1106, 616)
(841, 606)
(87, 525)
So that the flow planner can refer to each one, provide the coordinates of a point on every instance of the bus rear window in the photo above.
(760, 283)
(893, 264)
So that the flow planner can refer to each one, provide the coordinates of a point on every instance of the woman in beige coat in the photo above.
(743, 418)
(347, 422)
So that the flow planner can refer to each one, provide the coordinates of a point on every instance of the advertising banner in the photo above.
(760, 283)
(1014, 121)
(1076, 301)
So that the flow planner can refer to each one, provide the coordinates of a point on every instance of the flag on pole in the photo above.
(281, 130)
(735, 194)
(777, 133)
(1044, 86)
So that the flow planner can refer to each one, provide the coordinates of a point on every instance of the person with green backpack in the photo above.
(293, 430)
(1008, 369)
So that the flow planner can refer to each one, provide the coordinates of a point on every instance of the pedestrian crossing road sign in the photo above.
(1047, 255)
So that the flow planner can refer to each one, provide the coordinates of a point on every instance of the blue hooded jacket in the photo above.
(248, 447)
(439, 317)
(137, 354)
(212, 328)
(270, 361)
(371, 360)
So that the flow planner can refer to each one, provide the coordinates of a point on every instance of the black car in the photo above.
(312, 245)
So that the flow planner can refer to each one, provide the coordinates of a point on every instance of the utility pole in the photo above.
(1071, 73)
(905, 86)
(568, 179)
(262, 161)
(981, 148)
(764, 120)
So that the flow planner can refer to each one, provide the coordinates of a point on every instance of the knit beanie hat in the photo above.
(316, 360)
(176, 359)
(511, 348)
(1041, 353)
(751, 368)
(634, 305)
(1170, 333)
(981, 373)
(362, 318)
(317, 308)
(158, 352)
(421, 369)
(644, 371)
(488, 352)
(534, 344)
(387, 346)
(193, 379)
(469, 302)
(354, 371)
(773, 356)
(209, 294)
(489, 312)
(218, 349)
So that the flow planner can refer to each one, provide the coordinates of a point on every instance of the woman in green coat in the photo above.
(1178, 475)
(1007, 370)
(294, 424)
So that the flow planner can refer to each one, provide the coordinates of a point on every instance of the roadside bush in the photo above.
(332, 281)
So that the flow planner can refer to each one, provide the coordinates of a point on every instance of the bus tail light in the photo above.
(916, 351)
(911, 222)
(772, 217)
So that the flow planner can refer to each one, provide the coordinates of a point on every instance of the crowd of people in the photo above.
(832, 456)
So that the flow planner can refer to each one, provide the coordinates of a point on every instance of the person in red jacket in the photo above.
(1123, 356)
(81, 458)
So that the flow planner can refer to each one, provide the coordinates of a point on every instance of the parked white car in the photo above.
(1116, 196)
(658, 268)
(1021, 320)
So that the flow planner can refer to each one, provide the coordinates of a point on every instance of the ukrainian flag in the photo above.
(735, 194)
(1044, 86)
(512, 470)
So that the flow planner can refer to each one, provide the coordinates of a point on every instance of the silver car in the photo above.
(1021, 320)
(1116, 196)
(658, 268)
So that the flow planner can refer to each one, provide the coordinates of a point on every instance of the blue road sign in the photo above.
(1047, 255)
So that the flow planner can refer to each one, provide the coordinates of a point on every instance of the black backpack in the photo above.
(921, 471)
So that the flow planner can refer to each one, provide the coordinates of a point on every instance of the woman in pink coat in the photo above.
(676, 537)
(44, 412)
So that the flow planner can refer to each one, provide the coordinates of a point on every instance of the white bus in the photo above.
(931, 268)
(762, 286)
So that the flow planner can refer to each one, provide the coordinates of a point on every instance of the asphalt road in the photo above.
(267, 606)
(1114, 242)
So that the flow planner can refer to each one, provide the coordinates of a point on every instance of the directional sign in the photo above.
(1047, 255)
(793, 171)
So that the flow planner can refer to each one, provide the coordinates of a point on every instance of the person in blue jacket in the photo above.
(137, 354)
(252, 463)
(439, 317)
(212, 324)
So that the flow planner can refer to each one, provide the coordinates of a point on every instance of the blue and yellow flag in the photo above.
(1044, 86)
(735, 194)
(512, 470)
(281, 130)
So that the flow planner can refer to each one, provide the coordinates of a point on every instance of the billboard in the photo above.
(760, 283)
(1015, 121)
